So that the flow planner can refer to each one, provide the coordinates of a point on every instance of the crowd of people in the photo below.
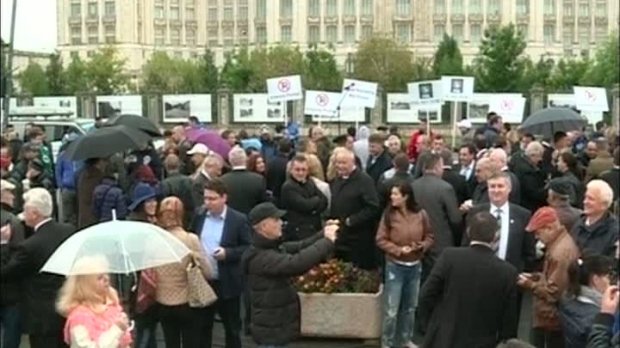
(459, 235)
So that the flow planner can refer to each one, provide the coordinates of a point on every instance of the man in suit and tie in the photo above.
(514, 245)
(40, 290)
(245, 189)
(470, 298)
(467, 167)
(225, 235)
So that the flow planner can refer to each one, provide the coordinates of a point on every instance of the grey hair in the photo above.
(237, 157)
(534, 148)
(41, 200)
(602, 190)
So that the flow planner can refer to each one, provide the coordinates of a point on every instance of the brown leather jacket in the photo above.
(552, 283)
(406, 228)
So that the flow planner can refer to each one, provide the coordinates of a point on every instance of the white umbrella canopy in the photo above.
(127, 246)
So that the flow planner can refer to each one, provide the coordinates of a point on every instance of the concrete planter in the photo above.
(353, 315)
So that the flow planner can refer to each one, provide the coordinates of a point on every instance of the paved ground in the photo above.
(524, 329)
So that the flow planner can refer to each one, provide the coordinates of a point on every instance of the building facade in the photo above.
(185, 28)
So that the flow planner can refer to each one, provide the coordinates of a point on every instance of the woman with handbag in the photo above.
(180, 290)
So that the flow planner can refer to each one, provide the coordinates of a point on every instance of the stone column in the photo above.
(615, 106)
(153, 107)
(376, 114)
(86, 104)
(537, 99)
(298, 111)
(224, 107)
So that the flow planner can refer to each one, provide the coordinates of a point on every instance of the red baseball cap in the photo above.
(541, 218)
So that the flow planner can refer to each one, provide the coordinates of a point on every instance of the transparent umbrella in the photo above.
(128, 246)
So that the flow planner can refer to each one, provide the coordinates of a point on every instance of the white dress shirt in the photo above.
(467, 171)
(505, 228)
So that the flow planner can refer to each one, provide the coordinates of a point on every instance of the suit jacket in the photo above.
(472, 182)
(458, 183)
(235, 240)
(40, 290)
(245, 189)
(304, 204)
(520, 251)
(469, 300)
(381, 164)
(437, 197)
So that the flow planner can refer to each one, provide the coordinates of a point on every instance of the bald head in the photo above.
(344, 161)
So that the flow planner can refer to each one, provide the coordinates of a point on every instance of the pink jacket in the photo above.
(85, 328)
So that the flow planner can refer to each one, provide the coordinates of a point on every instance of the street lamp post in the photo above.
(9, 68)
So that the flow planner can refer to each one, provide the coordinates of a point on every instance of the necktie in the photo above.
(498, 216)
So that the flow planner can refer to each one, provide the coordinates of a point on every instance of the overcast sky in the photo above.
(35, 28)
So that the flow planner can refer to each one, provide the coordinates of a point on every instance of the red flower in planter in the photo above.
(336, 276)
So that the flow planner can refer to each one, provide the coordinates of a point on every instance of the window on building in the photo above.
(93, 35)
(349, 8)
(584, 9)
(367, 8)
(174, 13)
(440, 6)
(600, 32)
(314, 34)
(213, 14)
(74, 54)
(174, 2)
(569, 8)
(110, 33)
(549, 33)
(286, 35)
(228, 37)
(76, 9)
(493, 7)
(549, 7)
(286, 8)
(331, 33)
(190, 37)
(175, 37)
(261, 35)
(110, 8)
(90, 54)
(178, 55)
(403, 8)
(228, 13)
(349, 34)
(190, 13)
(523, 7)
(160, 36)
(212, 33)
(213, 3)
(403, 33)
(457, 32)
(242, 13)
(475, 7)
(367, 32)
(314, 8)
(261, 9)
(159, 11)
(584, 37)
(438, 31)
(568, 35)
(76, 35)
(331, 8)
(523, 29)
(457, 6)
(93, 9)
(601, 9)
(475, 33)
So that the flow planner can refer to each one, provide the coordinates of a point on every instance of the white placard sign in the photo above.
(322, 103)
(457, 88)
(509, 106)
(63, 104)
(569, 101)
(178, 107)
(425, 92)
(284, 88)
(591, 98)
(112, 105)
(359, 93)
(256, 108)
(401, 110)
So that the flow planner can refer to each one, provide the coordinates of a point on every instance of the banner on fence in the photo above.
(256, 108)
(112, 105)
(178, 107)
(401, 110)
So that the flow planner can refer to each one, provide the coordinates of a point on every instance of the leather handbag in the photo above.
(199, 293)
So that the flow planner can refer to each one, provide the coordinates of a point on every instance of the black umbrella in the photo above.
(548, 121)
(137, 122)
(106, 141)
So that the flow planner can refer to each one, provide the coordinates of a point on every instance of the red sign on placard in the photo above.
(284, 85)
(322, 99)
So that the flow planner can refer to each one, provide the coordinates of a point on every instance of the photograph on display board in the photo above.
(109, 109)
(428, 115)
(400, 105)
(178, 109)
(426, 90)
(256, 108)
(478, 110)
(274, 110)
(456, 86)
(110, 106)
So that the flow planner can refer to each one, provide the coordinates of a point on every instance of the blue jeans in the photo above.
(10, 326)
(400, 300)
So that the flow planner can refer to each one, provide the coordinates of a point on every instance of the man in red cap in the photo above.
(547, 287)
